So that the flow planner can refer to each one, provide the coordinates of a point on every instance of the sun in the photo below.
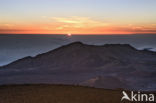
(69, 34)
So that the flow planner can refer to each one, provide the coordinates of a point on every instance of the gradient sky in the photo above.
(77, 16)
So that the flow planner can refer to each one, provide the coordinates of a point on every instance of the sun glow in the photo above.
(69, 34)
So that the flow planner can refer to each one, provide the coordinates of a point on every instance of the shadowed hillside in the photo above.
(107, 66)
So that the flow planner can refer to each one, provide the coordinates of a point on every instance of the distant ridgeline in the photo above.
(107, 66)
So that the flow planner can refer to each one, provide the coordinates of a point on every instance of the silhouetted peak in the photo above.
(76, 43)
(77, 51)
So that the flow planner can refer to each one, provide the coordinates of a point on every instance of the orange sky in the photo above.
(77, 16)
(75, 25)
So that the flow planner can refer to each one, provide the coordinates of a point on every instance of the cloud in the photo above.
(76, 25)
(78, 22)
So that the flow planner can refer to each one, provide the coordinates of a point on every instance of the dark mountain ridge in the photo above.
(83, 64)
(76, 47)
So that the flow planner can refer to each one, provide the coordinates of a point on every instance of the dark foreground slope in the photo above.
(107, 66)
(57, 94)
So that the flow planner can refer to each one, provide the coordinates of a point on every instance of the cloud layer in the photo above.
(75, 25)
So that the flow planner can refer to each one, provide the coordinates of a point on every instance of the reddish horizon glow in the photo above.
(76, 25)
(78, 17)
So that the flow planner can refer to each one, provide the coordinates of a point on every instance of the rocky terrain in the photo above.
(107, 66)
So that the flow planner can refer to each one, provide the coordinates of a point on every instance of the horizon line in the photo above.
(75, 34)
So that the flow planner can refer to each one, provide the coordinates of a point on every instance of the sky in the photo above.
(77, 16)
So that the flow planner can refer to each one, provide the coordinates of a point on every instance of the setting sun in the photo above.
(69, 34)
